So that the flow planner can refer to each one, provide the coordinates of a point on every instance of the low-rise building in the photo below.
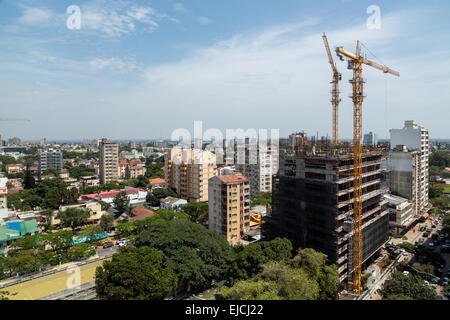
(13, 168)
(401, 213)
(171, 203)
(135, 172)
(90, 181)
(135, 195)
(157, 183)
(94, 208)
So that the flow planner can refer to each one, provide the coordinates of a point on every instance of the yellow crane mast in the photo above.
(335, 100)
(355, 63)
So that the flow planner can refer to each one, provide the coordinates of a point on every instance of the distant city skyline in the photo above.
(144, 69)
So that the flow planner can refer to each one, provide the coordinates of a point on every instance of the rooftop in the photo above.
(156, 181)
(140, 213)
(170, 200)
(233, 178)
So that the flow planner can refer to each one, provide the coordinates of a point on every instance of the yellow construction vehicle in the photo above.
(255, 220)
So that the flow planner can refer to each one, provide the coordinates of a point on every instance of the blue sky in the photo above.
(150, 67)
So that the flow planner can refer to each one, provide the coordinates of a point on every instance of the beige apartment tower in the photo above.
(229, 206)
(109, 161)
(188, 172)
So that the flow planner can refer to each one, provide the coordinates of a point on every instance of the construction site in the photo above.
(313, 203)
(329, 195)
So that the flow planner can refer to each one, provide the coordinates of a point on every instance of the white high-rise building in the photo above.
(259, 165)
(50, 159)
(416, 138)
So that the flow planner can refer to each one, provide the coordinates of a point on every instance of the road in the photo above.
(414, 235)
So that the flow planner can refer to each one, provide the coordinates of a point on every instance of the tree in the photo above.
(59, 242)
(105, 205)
(197, 211)
(46, 217)
(250, 290)
(106, 221)
(91, 231)
(248, 261)
(315, 265)
(28, 181)
(69, 196)
(425, 268)
(286, 283)
(125, 229)
(410, 286)
(80, 251)
(435, 190)
(73, 217)
(196, 255)
(134, 274)
(122, 203)
(440, 159)
(263, 200)
(154, 198)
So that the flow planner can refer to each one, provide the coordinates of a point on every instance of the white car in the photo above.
(431, 244)
(122, 242)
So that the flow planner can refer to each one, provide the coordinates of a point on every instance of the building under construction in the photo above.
(313, 199)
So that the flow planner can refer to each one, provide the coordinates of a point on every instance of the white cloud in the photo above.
(204, 20)
(107, 18)
(35, 16)
(179, 7)
(280, 78)
(114, 64)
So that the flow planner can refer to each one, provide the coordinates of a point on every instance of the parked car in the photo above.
(108, 245)
(431, 245)
(429, 230)
(423, 229)
(426, 234)
(445, 281)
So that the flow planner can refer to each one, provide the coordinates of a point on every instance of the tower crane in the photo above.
(335, 100)
(355, 62)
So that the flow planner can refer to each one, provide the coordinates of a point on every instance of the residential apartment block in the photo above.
(415, 138)
(188, 172)
(109, 161)
(404, 176)
(135, 172)
(50, 159)
(229, 206)
(259, 166)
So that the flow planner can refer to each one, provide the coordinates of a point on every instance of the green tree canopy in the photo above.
(73, 217)
(197, 211)
(197, 255)
(122, 203)
(154, 198)
(106, 221)
(315, 265)
(248, 260)
(134, 274)
(81, 251)
(408, 286)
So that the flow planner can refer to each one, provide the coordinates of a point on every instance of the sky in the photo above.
(142, 69)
